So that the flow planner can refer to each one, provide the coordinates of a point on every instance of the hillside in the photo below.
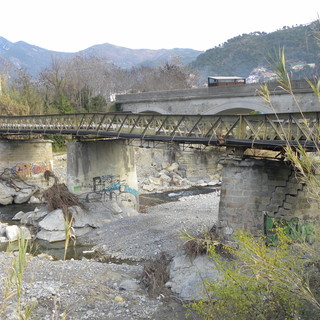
(241, 54)
(35, 59)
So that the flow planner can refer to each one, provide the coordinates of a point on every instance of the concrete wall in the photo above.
(87, 160)
(252, 189)
(236, 99)
(29, 159)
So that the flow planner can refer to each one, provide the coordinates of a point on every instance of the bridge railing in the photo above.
(208, 129)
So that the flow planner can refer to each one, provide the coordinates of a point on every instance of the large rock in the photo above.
(3, 229)
(53, 221)
(21, 193)
(55, 236)
(6, 195)
(51, 236)
(12, 233)
(25, 232)
(83, 218)
(23, 196)
(187, 277)
(173, 167)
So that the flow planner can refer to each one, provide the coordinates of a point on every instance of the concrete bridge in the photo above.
(253, 189)
(240, 99)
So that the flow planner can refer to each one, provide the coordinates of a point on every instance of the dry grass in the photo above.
(155, 275)
(59, 197)
(202, 243)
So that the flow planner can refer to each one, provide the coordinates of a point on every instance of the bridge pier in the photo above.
(103, 168)
(255, 190)
(29, 159)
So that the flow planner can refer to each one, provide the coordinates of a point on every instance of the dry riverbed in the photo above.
(87, 289)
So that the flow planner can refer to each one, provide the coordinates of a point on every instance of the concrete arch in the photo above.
(246, 105)
(152, 109)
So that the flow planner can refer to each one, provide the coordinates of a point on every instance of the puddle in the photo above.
(153, 199)
(9, 211)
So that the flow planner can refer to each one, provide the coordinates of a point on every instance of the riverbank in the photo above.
(88, 289)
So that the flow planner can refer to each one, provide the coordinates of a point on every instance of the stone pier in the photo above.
(103, 168)
(255, 190)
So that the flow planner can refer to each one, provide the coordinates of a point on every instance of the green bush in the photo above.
(262, 282)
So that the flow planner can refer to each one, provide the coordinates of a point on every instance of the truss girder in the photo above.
(210, 129)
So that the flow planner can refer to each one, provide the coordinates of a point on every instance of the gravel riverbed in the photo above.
(87, 289)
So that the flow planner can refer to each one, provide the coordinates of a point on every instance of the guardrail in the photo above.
(268, 131)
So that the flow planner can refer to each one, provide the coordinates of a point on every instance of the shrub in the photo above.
(261, 282)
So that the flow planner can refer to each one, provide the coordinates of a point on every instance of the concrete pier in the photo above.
(103, 168)
(29, 159)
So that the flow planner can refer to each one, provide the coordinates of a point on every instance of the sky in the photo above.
(74, 25)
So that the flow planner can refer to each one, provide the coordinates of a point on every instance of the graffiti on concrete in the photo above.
(295, 228)
(109, 183)
(108, 187)
(29, 169)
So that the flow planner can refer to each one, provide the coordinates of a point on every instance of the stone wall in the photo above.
(253, 189)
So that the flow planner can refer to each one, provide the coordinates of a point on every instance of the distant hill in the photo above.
(240, 55)
(35, 59)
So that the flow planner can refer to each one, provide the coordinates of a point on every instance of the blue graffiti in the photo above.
(109, 183)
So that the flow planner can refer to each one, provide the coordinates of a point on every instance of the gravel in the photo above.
(87, 289)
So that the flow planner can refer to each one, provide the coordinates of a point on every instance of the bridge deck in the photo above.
(266, 131)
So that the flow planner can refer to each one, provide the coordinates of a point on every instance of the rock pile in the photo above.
(172, 176)
(15, 191)
(50, 225)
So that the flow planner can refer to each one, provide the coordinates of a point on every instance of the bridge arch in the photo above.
(151, 109)
(230, 107)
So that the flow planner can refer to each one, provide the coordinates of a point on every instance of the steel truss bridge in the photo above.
(262, 131)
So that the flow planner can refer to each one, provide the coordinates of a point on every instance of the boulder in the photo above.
(12, 233)
(129, 285)
(51, 236)
(6, 194)
(148, 187)
(165, 164)
(173, 167)
(187, 277)
(156, 181)
(3, 229)
(55, 236)
(53, 221)
(18, 215)
(33, 217)
(35, 200)
(83, 218)
(23, 196)
(25, 232)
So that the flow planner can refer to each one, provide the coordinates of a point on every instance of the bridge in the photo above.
(252, 189)
(220, 100)
(267, 131)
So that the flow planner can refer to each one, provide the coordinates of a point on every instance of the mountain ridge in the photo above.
(34, 59)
